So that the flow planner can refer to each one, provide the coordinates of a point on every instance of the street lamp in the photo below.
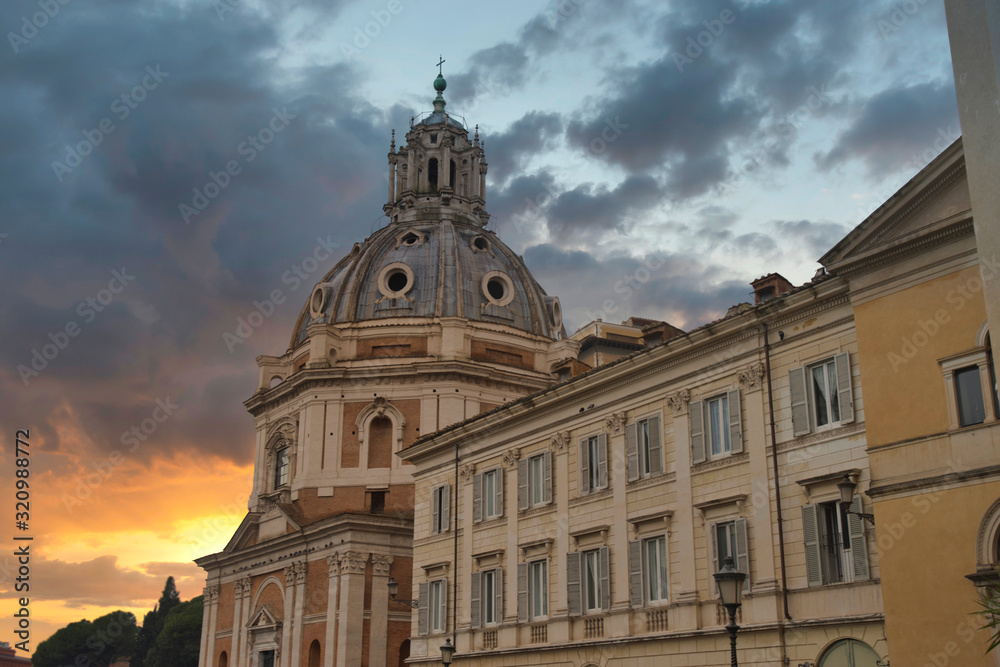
(394, 588)
(730, 583)
(847, 487)
(447, 652)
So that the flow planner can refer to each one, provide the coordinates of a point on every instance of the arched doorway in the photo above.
(315, 657)
(404, 652)
(849, 653)
(224, 660)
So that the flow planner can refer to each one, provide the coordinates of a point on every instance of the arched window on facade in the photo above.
(224, 660)
(849, 653)
(451, 177)
(282, 463)
(432, 173)
(315, 654)
(380, 433)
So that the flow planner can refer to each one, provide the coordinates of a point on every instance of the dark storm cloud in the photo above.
(533, 133)
(597, 208)
(900, 128)
(811, 238)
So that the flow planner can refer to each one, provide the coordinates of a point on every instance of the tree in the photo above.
(89, 644)
(152, 623)
(180, 640)
(989, 600)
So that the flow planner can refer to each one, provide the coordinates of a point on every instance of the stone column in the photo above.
(379, 626)
(464, 617)
(212, 600)
(444, 167)
(974, 33)
(240, 632)
(205, 617)
(685, 586)
(300, 601)
(392, 178)
(237, 611)
(482, 181)
(615, 427)
(333, 597)
(557, 564)
(288, 618)
(350, 628)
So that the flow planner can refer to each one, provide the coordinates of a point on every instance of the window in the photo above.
(648, 571)
(643, 448)
(534, 487)
(432, 612)
(265, 659)
(441, 509)
(969, 395)
(850, 652)
(487, 495)
(588, 584)
(281, 465)
(835, 545)
(538, 589)
(821, 394)
(593, 463)
(378, 502)
(487, 597)
(729, 539)
(716, 427)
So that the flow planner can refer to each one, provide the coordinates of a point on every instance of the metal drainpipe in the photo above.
(454, 596)
(777, 485)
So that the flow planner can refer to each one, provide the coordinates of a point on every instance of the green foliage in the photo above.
(989, 600)
(89, 644)
(180, 640)
(154, 623)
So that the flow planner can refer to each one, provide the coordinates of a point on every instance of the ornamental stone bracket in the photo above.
(511, 457)
(750, 378)
(243, 587)
(560, 441)
(300, 569)
(333, 562)
(615, 422)
(353, 562)
(289, 571)
(380, 564)
(467, 471)
(678, 401)
(211, 594)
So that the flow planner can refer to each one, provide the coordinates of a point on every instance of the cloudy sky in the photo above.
(647, 158)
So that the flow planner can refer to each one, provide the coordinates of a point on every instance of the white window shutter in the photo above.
(810, 535)
(476, 604)
(845, 393)
(522, 593)
(584, 467)
(500, 483)
(547, 478)
(435, 511)
(444, 605)
(498, 596)
(655, 446)
(735, 422)
(632, 452)
(446, 508)
(799, 397)
(859, 545)
(743, 552)
(605, 558)
(635, 573)
(423, 615)
(602, 460)
(522, 484)
(574, 601)
(696, 416)
(477, 498)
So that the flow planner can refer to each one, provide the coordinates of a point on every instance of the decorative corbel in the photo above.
(511, 457)
(560, 441)
(679, 401)
(615, 422)
(750, 378)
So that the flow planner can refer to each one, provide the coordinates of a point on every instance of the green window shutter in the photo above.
(859, 545)
(655, 446)
(696, 414)
(602, 460)
(605, 558)
(423, 615)
(574, 602)
(743, 552)
(810, 536)
(522, 592)
(735, 422)
(477, 498)
(475, 588)
(632, 452)
(635, 573)
(845, 394)
(547, 478)
(799, 397)
(584, 467)
(522, 484)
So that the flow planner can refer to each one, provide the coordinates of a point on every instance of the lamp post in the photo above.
(730, 583)
(447, 652)
(846, 487)
(394, 588)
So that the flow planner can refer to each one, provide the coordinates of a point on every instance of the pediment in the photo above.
(263, 619)
(933, 201)
(245, 535)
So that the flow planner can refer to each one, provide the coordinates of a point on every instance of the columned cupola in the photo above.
(438, 170)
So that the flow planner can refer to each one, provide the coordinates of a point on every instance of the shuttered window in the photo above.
(729, 538)
(487, 597)
(432, 612)
(644, 448)
(588, 581)
(533, 590)
(534, 484)
(821, 394)
(648, 571)
(593, 463)
(716, 427)
(441, 509)
(835, 545)
(487, 495)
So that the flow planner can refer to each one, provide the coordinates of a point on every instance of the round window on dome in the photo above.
(395, 280)
(481, 244)
(410, 239)
(498, 288)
